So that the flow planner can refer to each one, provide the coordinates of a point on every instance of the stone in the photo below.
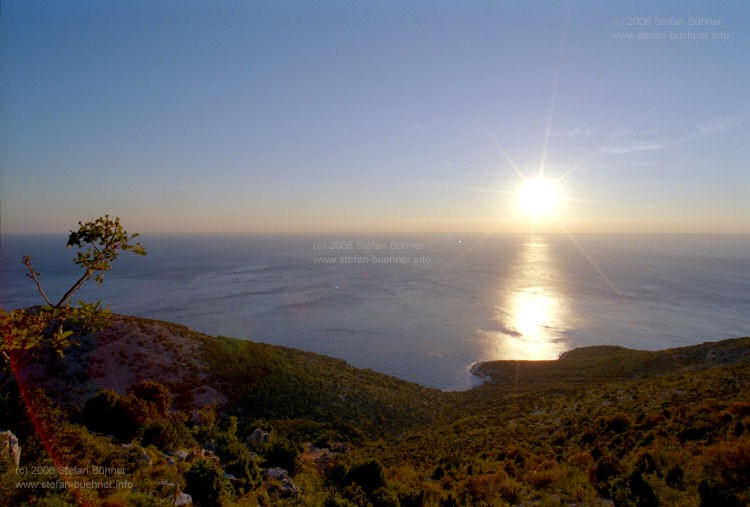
(287, 487)
(258, 435)
(277, 473)
(183, 499)
(12, 448)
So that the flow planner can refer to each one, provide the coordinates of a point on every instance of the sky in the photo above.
(243, 116)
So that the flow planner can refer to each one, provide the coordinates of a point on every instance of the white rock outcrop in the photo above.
(11, 447)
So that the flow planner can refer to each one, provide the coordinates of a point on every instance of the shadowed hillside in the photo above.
(237, 422)
(609, 363)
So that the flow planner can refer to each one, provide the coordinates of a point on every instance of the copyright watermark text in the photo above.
(668, 28)
(72, 477)
(358, 251)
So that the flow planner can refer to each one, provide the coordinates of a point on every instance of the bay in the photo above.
(424, 308)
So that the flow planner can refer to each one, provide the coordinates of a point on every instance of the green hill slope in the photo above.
(171, 406)
(271, 382)
(608, 363)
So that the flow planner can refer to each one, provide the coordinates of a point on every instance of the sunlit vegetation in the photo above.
(233, 422)
(662, 428)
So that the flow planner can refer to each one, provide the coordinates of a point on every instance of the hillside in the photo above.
(615, 363)
(599, 425)
(180, 411)
(240, 377)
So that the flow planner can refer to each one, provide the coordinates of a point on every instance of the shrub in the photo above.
(641, 491)
(713, 494)
(156, 395)
(166, 435)
(604, 470)
(284, 454)
(205, 482)
(617, 423)
(381, 497)
(105, 413)
(510, 490)
(675, 477)
(732, 461)
(544, 475)
(368, 475)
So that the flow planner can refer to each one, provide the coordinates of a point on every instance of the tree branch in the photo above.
(84, 278)
(32, 274)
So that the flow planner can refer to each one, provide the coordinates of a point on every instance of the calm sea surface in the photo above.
(422, 308)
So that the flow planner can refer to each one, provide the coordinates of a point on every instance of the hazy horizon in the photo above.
(384, 235)
(336, 118)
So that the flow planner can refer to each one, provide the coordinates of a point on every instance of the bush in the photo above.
(642, 491)
(381, 497)
(106, 413)
(368, 475)
(205, 482)
(603, 472)
(284, 454)
(166, 435)
(156, 395)
(675, 477)
(713, 494)
(732, 461)
(544, 475)
(617, 423)
(244, 468)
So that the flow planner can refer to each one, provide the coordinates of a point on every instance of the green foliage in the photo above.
(166, 434)
(127, 416)
(31, 333)
(714, 494)
(368, 475)
(23, 333)
(89, 317)
(235, 456)
(274, 383)
(99, 242)
(638, 438)
(28, 333)
(205, 482)
(151, 399)
(284, 454)
(106, 413)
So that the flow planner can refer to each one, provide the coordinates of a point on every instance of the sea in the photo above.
(424, 308)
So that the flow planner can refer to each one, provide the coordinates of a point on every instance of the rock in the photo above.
(259, 436)
(206, 454)
(145, 458)
(287, 487)
(183, 499)
(10, 442)
(182, 454)
(277, 473)
(198, 417)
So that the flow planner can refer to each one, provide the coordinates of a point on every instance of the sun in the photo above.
(539, 197)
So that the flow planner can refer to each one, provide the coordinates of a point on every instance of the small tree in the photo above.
(99, 243)
(24, 331)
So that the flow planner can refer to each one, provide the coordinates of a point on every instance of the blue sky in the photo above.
(229, 116)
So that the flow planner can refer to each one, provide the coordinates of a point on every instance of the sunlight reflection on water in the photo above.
(532, 313)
